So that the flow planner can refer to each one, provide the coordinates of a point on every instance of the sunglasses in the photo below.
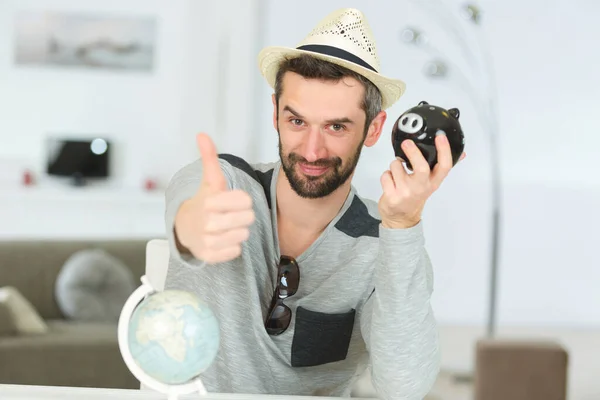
(288, 279)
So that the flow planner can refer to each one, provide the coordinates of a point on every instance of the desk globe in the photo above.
(167, 339)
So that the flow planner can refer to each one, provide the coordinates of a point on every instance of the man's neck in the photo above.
(308, 215)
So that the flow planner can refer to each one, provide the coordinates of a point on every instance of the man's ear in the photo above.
(274, 111)
(375, 129)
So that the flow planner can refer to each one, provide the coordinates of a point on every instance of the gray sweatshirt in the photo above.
(363, 300)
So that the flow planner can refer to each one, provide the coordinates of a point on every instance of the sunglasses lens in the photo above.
(289, 277)
(279, 319)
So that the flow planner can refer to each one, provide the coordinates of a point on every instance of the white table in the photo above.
(24, 392)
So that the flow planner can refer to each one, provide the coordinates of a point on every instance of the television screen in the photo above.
(83, 158)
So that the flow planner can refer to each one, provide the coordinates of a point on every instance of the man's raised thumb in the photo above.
(212, 175)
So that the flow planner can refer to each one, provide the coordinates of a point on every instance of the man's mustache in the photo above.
(323, 162)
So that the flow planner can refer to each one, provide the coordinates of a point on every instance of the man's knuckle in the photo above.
(422, 169)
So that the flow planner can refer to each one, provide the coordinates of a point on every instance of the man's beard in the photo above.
(314, 187)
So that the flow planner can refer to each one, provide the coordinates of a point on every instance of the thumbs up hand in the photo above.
(213, 224)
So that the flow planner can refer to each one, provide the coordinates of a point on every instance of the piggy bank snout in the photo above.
(411, 123)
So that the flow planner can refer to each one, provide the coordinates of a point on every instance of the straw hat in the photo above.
(345, 38)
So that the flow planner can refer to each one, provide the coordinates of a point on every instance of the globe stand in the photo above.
(172, 391)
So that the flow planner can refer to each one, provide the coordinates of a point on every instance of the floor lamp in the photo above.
(482, 92)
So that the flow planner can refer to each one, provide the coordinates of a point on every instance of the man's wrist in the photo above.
(400, 224)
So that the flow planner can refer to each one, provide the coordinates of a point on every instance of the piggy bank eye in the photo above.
(411, 123)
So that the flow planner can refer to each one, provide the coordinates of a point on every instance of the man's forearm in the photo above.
(398, 323)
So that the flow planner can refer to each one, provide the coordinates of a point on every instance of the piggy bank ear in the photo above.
(454, 112)
(423, 103)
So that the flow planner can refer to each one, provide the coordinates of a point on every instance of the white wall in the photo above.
(548, 81)
(546, 86)
(221, 75)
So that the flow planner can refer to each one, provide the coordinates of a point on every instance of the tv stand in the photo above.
(77, 179)
(92, 211)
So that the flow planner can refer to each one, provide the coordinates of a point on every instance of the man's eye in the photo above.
(297, 121)
(338, 127)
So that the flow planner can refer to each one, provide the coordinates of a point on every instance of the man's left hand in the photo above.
(404, 194)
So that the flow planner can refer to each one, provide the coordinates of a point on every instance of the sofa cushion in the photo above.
(19, 316)
(93, 285)
(7, 325)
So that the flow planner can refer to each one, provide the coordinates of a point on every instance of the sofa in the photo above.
(67, 351)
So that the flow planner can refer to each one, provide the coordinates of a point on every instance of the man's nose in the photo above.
(314, 148)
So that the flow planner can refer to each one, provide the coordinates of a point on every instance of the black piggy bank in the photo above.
(422, 124)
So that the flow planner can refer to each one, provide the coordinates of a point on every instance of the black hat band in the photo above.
(336, 52)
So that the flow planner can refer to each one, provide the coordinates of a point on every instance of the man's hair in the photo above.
(313, 68)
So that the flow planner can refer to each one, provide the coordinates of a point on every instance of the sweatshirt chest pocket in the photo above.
(321, 338)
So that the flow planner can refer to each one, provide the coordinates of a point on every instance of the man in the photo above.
(312, 283)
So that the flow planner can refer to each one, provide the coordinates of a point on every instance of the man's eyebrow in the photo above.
(291, 110)
(343, 120)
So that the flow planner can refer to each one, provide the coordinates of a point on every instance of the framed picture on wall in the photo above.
(85, 40)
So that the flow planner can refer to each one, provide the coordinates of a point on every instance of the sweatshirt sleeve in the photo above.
(397, 321)
(182, 186)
